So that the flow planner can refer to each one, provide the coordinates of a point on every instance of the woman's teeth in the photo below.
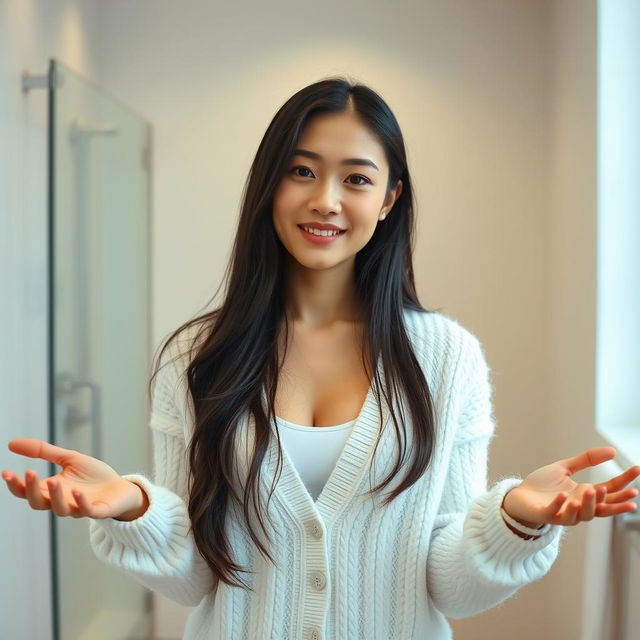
(322, 232)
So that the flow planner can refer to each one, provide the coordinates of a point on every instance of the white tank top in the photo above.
(314, 451)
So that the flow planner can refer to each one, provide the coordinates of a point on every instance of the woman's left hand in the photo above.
(549, 495)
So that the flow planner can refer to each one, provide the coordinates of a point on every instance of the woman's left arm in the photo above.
(476, 560)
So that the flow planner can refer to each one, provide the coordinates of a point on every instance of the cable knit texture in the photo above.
(346, 567)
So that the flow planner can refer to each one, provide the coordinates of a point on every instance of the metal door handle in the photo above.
(66, 384)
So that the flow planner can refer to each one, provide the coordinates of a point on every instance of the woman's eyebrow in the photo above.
(316, 156)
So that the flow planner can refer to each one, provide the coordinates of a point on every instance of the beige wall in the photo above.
(565, 316)
(497, 104)
(496, 101)
(572, 289)
(472, 84)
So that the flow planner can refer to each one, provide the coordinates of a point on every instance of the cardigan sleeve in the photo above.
(475, 561)
(158, 549)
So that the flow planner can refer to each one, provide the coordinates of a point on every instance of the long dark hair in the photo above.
(237, 351)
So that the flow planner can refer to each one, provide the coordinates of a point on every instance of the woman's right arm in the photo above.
(157, 549)
(144, 530)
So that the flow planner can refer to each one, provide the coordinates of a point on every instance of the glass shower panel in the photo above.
(100, 334)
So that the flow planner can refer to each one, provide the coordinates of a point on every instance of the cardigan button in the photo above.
(314, 634)
(318, 580)
(316, 529)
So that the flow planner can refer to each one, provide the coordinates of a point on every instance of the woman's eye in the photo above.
(295, 169)
(366, 180)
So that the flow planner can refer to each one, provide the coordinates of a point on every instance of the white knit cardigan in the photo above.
(346, 567)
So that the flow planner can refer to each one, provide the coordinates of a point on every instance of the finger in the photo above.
(571, 513)
(59, 501)
(87, 508)
(605, 510)
(588, 458)
(622, 480)
(34, 493)
(15, 484)
(621, 496)
(588, 509)
(568, 514)
(33, 448)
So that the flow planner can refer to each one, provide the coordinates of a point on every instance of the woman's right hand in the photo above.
(85, 487)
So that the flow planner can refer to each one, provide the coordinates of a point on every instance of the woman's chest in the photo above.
(322, 381)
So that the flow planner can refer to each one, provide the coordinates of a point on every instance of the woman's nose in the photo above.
(325, 197)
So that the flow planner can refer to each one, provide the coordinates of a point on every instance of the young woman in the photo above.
(321, 432)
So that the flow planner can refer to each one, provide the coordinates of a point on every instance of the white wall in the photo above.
(479, 89)
(30, 33)
(612, 587)
(618, 404)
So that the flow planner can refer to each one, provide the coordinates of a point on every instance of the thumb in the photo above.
(589, 458)
(34, 448)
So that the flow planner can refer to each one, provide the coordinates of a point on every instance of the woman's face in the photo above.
(338, 175)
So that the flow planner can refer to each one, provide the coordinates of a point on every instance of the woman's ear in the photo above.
(391, 200)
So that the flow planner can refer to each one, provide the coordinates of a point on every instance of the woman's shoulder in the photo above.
(437, 330)
(171, 399)
(178, 347)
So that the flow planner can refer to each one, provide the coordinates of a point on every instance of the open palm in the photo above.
(549, 495)
(85, 486)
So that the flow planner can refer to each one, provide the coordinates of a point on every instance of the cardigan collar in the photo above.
(342, 484)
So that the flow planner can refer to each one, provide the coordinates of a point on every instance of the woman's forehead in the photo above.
(338, 136)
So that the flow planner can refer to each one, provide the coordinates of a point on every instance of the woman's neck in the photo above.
(321, 298)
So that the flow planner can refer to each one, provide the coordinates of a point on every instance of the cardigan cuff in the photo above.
(165, 518)
(503, 554)
(538, 531)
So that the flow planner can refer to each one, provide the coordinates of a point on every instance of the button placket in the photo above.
(315, 634)
(315, 528)
(318, 580)
(317, 575)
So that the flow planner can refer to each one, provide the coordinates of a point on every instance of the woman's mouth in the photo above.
(321, 236)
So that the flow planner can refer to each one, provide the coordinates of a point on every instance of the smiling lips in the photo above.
(328, 232)
(321, 236)
(320, 225)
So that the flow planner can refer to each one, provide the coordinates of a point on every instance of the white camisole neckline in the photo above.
(314, 451)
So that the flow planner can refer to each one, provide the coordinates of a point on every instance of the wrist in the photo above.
(524, 523)
(521, 534)
(524, 532)
(140, 504)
